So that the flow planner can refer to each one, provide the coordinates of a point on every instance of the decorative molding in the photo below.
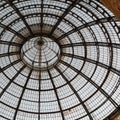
(114, 6)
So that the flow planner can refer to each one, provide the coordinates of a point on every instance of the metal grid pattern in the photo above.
(59, 60)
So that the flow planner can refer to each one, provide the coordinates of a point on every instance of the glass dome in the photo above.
(59, 60)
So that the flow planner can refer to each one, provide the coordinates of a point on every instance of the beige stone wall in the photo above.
(113, 5)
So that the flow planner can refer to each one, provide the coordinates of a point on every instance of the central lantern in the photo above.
(40, 53)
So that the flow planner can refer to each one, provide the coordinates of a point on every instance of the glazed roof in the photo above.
(59, 60)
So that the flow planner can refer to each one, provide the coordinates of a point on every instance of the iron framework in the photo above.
(59, 60)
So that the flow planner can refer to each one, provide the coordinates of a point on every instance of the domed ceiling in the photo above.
(59, 60)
